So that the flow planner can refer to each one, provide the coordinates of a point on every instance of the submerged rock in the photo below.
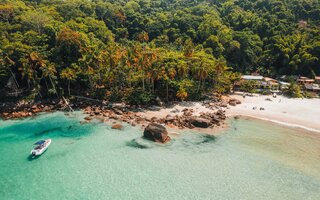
(117, 126)
(140, 143)
(157, 133)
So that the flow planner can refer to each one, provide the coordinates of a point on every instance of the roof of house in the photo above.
(269, 79)
(317, 78)
(284, 83)
(251, 77)
(305, 80)
(303, 77)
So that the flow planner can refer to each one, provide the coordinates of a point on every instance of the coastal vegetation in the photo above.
(137, 50)
(294, 90)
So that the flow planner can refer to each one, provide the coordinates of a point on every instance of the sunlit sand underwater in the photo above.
(252, 160)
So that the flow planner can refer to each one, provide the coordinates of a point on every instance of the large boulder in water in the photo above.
(200, 122)
(156, 132)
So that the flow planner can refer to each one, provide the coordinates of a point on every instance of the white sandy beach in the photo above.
(177, 110)
(301, 113)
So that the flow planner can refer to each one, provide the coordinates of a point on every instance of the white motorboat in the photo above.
(41, 147)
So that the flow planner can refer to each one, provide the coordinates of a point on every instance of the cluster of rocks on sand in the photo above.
(189, 120)
(155, 130)
(27, 109)
(186, 120)
(155, 126)
(221, 103)
(23, 108)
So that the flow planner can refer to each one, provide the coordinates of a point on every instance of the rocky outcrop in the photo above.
(169, 119)
(183, 119)
(216, 104)
(234, 102)
(156, 132)
(186, 120)
(118, 112)
(200, 122)
(26, 109)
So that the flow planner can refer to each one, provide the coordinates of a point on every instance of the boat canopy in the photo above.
(40, 142)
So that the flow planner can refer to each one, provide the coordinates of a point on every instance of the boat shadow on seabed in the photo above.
(32, 158)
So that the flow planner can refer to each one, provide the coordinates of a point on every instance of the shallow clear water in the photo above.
(252, 160)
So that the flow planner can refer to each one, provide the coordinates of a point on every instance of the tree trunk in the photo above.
(167, 89)
(143, 87)
(14, 77)
(39, 93)
(199, 86)
(152, 86)
(203, 83)
(45, 80)
(53, 87)
(69, 87)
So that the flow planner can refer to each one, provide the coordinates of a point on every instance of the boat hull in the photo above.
(39, 151)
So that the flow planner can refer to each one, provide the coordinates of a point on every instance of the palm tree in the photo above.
(70, 74)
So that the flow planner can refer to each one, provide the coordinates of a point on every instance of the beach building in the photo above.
(312, 87)
(270, 80)
(288, 78)
(256, 79)
(252, 77)
(304, 80)
(262, 84)
(284, 85)
(271, 83)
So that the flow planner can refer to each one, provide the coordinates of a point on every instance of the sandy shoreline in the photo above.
(177, 109)
(295, 113)
(298, 113)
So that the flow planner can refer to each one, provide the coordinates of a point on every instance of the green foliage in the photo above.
(310, 95)
(248, 86)
(294, 90)
(184, 87)
(137, 96)
(169, 49)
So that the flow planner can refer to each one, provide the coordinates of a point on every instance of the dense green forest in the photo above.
(136, 50)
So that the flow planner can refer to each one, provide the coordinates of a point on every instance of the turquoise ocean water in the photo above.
(252, 160)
